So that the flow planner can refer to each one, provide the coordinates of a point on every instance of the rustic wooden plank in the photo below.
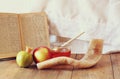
(103, 70)
(34, 30)
(116, 65)
(46, 74)
(9, 35)
(9, 69)
(58, 72)
(65, 72)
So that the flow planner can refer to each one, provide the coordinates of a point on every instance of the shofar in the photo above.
(92, 56)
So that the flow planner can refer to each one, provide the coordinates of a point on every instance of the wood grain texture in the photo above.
(9, 69)
(34, 30)
(57, 72)
(116, 65)
(103, 70)
(66, 71)
(9, 35)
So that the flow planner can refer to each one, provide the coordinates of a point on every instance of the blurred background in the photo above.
(67, 18)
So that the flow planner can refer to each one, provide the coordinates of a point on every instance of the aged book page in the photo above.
(34, 30)
(20, 30)
(10, 41)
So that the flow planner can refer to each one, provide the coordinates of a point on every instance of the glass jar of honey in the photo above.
(60, 51)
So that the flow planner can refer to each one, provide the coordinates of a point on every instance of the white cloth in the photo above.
(67, 18)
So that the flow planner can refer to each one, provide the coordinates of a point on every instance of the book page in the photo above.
(9, 35)
(34, 29)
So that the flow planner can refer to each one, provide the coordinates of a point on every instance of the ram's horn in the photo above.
(92, 56)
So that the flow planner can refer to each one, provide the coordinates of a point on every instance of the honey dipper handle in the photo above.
(69, 41)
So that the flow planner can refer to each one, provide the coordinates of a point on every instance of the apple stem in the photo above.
(28, 49)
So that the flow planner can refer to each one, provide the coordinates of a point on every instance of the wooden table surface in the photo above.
(107, 68)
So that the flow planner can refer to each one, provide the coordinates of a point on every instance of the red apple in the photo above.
(41, 54)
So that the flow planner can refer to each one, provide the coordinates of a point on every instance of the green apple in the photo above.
(41, 54)
(24, 59)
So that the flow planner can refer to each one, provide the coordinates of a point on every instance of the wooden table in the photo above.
(107, 68)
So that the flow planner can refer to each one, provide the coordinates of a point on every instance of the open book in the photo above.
(20, 30)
